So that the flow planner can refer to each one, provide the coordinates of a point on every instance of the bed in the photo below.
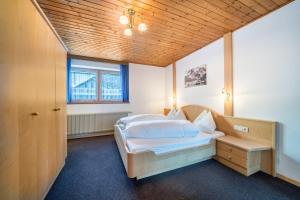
(140, 162)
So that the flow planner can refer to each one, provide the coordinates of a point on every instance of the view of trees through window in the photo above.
(93, 85)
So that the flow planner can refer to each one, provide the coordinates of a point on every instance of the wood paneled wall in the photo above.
(32, 102)
(228, 74)
(174, 96)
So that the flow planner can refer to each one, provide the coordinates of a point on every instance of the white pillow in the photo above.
(172, 113)
(200, 116)
(179, 115)
(205, 122)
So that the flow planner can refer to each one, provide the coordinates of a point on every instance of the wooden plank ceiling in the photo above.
(175, 27)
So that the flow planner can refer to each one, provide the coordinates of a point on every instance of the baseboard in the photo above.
(53, 180)
(289, 180)
(93, 134)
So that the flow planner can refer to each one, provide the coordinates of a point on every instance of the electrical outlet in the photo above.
(240, 128)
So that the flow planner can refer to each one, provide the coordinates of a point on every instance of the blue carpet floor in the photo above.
(94, 171)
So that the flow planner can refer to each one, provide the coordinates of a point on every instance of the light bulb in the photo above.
(128, 32)
(123, 19)
(142, 27)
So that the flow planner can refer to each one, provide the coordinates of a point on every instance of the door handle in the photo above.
(56, 109)
(35, 114)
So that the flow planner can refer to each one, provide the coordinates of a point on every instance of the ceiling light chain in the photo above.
(128, 19)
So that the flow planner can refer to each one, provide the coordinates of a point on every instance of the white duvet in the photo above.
(125, 121)
(161, 129)
(167, 145)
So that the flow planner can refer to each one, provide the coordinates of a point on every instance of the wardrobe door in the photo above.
(45, 102)
(29, 113)
(52, 136)
(9, 138)
(60, 102)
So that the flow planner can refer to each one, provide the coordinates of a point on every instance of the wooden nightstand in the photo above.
(243, 155)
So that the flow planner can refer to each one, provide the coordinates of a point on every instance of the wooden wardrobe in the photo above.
(32, 102)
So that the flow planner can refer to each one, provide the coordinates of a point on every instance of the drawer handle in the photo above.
(56, 109)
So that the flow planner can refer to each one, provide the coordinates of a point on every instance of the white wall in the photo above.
(266, 79)
(208, 95)
(169, 86)
(146, 93)
(266, 61)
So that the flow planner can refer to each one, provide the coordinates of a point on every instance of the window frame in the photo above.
(99, 99)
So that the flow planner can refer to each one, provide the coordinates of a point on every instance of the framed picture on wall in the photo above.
(195, 76)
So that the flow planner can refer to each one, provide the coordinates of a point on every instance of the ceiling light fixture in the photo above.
(123, 20)
(128, 32)
(142, 27)
(128, 19)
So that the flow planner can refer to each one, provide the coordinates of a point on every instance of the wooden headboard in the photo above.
(259, 130)
(192, 111)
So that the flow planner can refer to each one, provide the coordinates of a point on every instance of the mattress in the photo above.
(166, 145)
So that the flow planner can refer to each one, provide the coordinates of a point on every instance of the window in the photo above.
(84, 85)
(96, 82)
(111, 86)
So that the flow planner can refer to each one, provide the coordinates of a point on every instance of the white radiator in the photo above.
(85, 125)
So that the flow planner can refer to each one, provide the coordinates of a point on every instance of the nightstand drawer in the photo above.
(231, 149)
(241, 161)
(243, 155)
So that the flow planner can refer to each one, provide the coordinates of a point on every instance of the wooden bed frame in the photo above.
(143, 164)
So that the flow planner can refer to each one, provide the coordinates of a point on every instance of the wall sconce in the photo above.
(172, 101)
(225, 94)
